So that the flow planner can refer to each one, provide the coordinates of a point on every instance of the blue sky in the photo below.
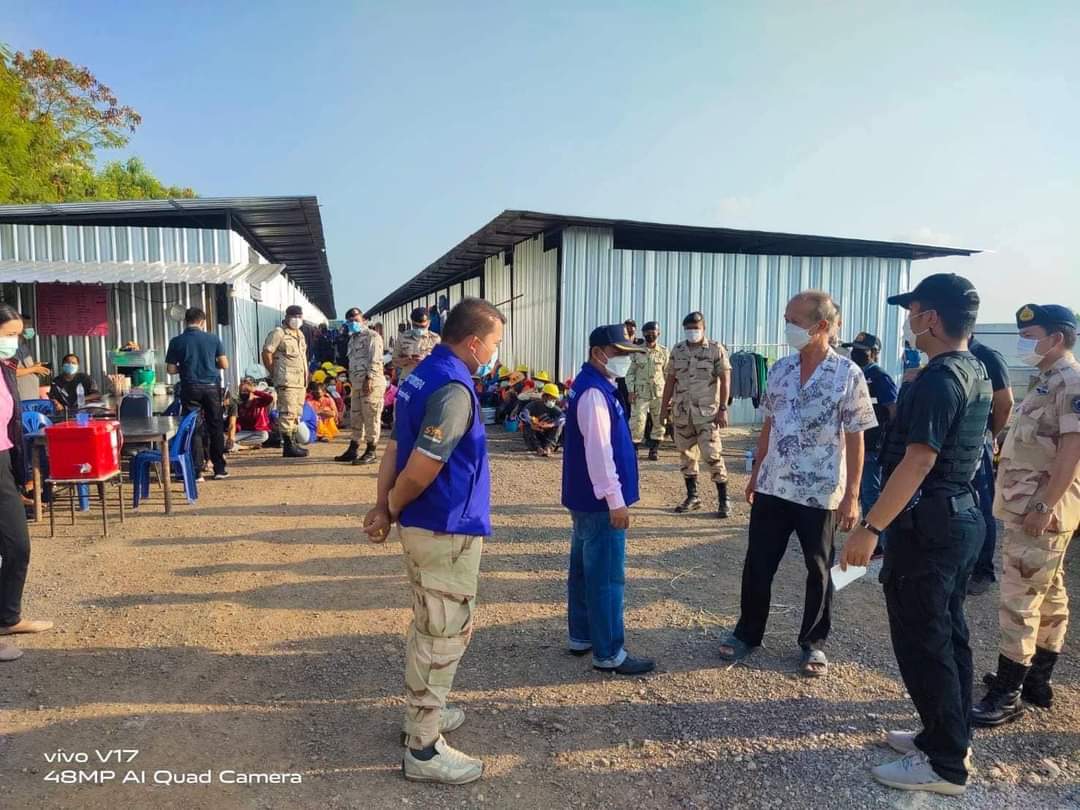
(415, 123)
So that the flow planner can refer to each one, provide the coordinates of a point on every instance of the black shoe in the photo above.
(289, 449)
(630, 666)
(1002, 702)
(350, 452)
(637, 449)
(723, 510)
(274, 442)
(978, 585)
(221, 476)
(654, 451)
(579, 653)
(692, 502)
(1037, 689)
(369, 456)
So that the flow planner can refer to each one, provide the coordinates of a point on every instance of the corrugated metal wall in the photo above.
(743, 297)
(472, 287)
(497, 290)
(533, 309)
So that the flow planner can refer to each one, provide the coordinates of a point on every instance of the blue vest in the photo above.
(458, 501)
(577, 489)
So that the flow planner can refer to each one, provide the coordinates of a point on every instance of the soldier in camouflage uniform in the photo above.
(1038, 500)
(284, 352)
(695, 395)
(645, 382)
(367, 380)
(414, 345)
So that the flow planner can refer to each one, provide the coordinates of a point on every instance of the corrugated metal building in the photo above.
(557, 276)
(242, 260)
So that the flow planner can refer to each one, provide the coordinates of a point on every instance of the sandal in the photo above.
(814, 663)
(739, 649)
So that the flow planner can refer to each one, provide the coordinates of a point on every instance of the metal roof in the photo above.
(285, 230)
(510, 227)
(19, 271)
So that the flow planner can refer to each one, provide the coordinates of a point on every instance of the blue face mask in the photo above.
(71, 369)
(485, 368)
(356, 327)
(29, 332)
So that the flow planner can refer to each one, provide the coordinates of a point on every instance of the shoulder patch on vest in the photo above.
(434, 433)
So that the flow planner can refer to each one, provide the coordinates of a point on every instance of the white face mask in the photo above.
(910, 335)
(295, 323)
(1026, 350)
(618, 365)
(694, 335)
(796, 336)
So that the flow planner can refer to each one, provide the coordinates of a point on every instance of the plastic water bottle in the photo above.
(80, 396)
(749, 461)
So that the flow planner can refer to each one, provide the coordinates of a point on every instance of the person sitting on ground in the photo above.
(253, 414)
(542, 422)
(64, 392)
(325, 411)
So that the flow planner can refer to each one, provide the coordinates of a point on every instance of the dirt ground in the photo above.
(257, 632)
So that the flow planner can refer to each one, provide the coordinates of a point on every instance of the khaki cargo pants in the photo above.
(443, 570)
(290, 406)
(640, 411)
(1034, 605)
(365, 416)
(695, 441)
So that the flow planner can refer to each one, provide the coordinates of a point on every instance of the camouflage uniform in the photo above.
(409, 344)
(443, 570)
(697, 371)
(288, 374)
(366, 364)
(645, 380)
(1034, 605)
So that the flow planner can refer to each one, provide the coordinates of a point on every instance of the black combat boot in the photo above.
(1037, 689)
(274, 442)
(654, 450)
(369, 456)
(290, 449)
(637, 449)
(692, 502)
(1002, 703)
(724, 507)
(350, 453)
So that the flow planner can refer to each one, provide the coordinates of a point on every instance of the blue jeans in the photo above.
(594, 604)
(984, 488)
(870, 488)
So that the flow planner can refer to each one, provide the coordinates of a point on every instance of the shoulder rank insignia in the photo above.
(1026, 314)
(1042, 389)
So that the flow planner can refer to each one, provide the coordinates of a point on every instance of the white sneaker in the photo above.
(914, 772)
(451, 718)
(904, 742)
(449, 766)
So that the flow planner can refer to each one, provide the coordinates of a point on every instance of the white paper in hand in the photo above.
(841, 579)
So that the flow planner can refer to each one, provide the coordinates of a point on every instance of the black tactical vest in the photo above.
(962, 451)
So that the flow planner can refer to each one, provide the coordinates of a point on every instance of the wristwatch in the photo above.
(870, 528)
(1041, 507)
(721, 407)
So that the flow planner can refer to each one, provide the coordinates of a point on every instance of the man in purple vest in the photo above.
(434, 483)
(599, 485)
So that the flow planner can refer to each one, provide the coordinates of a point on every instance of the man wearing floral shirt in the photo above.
(806, 475)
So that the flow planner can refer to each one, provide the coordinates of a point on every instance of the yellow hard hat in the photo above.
(551, 390)
(319, 376)
(328, 365)
(504, 371)
(523, 368)
(542, 376)
(339, 369)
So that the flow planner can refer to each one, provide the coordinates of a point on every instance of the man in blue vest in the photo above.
(599, 485)
(434, 483)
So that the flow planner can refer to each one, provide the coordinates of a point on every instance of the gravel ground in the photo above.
(256, 632)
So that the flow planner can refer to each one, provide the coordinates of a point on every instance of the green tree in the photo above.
(55, 116)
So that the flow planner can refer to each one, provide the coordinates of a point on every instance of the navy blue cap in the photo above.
(944, 290)
(651, 326)
(614, 334)
(864, 340)
(1045, 315)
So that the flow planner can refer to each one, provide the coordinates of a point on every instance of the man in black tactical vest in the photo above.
(929, 459)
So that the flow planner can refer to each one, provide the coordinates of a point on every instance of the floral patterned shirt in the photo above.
(805, 461)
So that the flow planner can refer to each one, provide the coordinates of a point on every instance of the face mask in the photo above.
(71, 369)
(860, 357)
(483, 369)
(9, 345)
(650, 338)
(356, 327)
(618, 366)
(29, 333)
(910, 335)
(331, 388)
(1026, 349)
(294, 323)
(694, 335)
(796, 336)
(419, 331)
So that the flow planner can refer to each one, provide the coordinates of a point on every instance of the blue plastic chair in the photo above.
(179, 457)
(137, 407)
(44, 406)
(173, 408)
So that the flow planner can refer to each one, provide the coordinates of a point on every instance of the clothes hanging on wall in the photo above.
(749, 371)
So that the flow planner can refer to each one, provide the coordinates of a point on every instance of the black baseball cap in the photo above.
(294, 311)
(614, 334)
(1045, 315)
(419, 315)
(353, 311)
(651, 326)
(864, 340)
(945, 290)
